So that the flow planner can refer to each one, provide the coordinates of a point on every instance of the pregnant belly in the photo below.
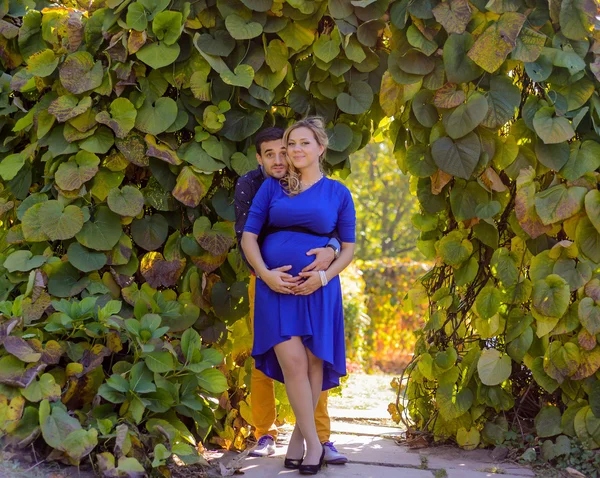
(290, 248)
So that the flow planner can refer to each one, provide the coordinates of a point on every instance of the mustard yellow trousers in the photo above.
(264, 412)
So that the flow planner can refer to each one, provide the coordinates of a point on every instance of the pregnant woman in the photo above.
(299, 321)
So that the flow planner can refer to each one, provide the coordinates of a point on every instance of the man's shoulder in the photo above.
(251, 176)
(249, 182)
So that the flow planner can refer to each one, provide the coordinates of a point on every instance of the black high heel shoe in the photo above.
(293, 464)
(312, 469)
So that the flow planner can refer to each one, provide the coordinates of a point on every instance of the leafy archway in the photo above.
(125, 124)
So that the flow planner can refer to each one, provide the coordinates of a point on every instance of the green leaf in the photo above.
(326, 48)
(553, 156)
(552, 129)
(23, 261)
(548, 422)
(419, 161)
(551, 296)
(219, 43)
(137, 17)
(102, 231)
(78, 170)
(244, 163)
(213, 381)
(127, 201)
(100, 142)
(423, 108)
(160, 362)
(503, 100)
(453, 249)
(84, 259)
(79, 73)
(121, 118)
(242, 76)
(150, 232)
(589, 315)
(156, 117)
(561, 360)
(57, 222)
(468, 439)
(458, 158)
(577, 18)
(584, 158)
(191, 344)
(11, 165)
(167, 26)
(530, 44)
(140, 379)
(493, 367)
(592, 208)
(559, 203)
(459, 67)
(497, 41)
(488, 302)
(239, 124)
(358, 99)
(587, 239)
(43, 389)
(340, 8)
(276, 55)
(43, 63)
(340, 137)
(466, 117)
(241, 29)
(159, 54)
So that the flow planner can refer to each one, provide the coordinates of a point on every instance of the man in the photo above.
(270, 154)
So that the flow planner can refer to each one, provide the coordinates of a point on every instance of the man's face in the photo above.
(272, 158)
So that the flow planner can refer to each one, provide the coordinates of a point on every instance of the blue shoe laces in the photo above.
(263, 439)
(330, 446)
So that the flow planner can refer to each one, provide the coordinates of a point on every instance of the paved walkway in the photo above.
(362, 430)
(374, 453)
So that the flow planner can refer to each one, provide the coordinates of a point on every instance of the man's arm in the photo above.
(242, 200)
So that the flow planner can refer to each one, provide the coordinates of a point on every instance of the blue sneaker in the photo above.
(264, 447)
(332, 456)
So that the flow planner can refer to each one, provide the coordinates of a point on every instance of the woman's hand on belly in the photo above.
(311, 281)
(278, 280)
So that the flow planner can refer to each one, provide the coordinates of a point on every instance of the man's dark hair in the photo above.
(267, 134)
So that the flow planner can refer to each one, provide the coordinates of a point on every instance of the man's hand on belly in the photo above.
(324, 256)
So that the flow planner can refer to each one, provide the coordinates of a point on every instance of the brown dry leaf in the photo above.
(135, 41)
(492, 181)
(586, 340)
(439, 180)
(449, 96)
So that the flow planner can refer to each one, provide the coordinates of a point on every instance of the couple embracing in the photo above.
(298, 310)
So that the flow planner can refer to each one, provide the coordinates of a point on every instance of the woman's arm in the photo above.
(277, 279)
(313, 279)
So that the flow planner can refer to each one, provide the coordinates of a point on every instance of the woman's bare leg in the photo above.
(294, 361)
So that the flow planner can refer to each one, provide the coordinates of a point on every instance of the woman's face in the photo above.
(303, 148)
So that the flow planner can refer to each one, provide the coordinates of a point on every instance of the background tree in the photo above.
(384, 204)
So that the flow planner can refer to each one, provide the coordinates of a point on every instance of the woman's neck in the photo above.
(310, 174)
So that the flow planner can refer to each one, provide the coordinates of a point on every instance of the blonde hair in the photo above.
(291, 181)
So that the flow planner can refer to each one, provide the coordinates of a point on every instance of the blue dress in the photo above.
(319, 317)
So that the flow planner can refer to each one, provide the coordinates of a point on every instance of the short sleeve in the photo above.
(346, 224)
(259, 211)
